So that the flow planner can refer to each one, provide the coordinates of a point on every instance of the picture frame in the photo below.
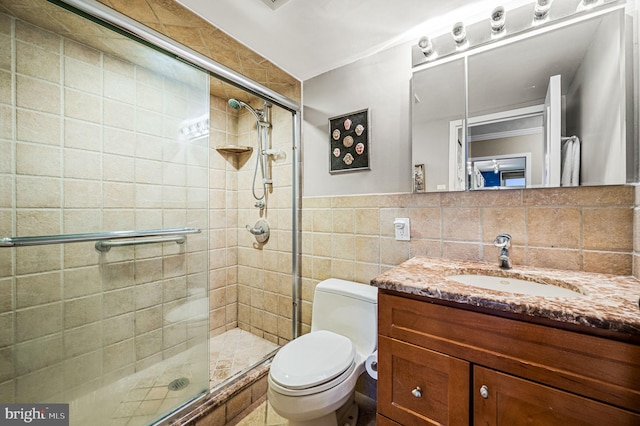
(418, 178)
(349, 142)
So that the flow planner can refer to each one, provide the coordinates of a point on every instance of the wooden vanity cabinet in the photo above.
(443, 365)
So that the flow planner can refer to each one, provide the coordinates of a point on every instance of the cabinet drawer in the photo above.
(419, 386)
(595, 367)
(507, 400)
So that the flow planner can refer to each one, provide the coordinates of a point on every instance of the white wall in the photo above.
(380, 83)
(597, 105)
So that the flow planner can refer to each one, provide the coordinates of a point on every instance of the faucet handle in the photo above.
(502, 240)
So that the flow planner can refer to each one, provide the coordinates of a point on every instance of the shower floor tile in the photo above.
(233, 351)
(143, 397)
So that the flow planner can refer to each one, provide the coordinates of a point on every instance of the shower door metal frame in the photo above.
(116, 19)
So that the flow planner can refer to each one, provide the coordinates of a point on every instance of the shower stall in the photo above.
(130, 283)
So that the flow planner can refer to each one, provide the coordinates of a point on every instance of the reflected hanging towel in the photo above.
(566, 162)
(575, 166)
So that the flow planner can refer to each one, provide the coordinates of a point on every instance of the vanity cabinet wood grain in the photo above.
(529, 373)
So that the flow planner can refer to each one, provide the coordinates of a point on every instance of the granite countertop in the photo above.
(608, 302)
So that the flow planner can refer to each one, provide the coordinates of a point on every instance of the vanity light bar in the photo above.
(522, 19)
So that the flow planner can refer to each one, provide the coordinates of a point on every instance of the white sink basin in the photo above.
(514, 285)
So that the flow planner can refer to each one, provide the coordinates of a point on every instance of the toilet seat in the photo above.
(312, 363)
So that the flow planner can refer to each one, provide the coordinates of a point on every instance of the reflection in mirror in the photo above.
(574, 76)
(438, 104)
(556, 97)
(499, 171)
(510, 145)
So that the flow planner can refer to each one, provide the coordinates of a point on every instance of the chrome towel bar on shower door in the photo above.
(101, 236)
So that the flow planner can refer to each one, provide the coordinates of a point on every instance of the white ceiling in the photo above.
(307, 38)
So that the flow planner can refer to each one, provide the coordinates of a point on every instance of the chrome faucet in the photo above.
(503, 241)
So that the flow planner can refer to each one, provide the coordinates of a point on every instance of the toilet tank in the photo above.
(349, 309)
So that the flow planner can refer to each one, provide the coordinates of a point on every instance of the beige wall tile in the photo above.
(6, 121)
(503, 220)
(6, 84)
(461, 250)
(608, 262)
(608, 228)
(36, 62)
(33, 290)
(82, 106)
(431, 248)
(32, 260)
(82, 52)
(37, 322)
(37, 36)
(33, 192)
(37, 354)
(6, 51)
(82, 164)
(38, 160)
(322, 220)
(83, 194)
(82, 340)
(34, 126)
(461, 224)
(82, 135)
(37, 95)
(393, 252)
(119, 115)
(367, 249)
(81, 76)
(6, 160)
(554, 227)
(555, 258)
(425, 222)
(367, 221)
(82, 311)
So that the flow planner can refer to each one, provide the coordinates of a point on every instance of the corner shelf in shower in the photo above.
(233, 149)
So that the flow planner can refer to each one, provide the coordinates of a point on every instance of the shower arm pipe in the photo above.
(100, 236)
(131, 26)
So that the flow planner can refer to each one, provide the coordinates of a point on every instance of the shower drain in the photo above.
(178, 384)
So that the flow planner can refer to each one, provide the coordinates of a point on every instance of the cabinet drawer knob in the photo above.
(484, 391)
(417, 392)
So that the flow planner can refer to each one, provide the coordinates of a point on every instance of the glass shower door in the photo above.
(100, 134)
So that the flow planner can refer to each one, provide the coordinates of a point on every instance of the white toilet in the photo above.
(312, 378)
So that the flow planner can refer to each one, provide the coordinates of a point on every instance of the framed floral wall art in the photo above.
(349, 136)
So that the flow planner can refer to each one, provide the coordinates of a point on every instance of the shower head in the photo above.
(236, 104)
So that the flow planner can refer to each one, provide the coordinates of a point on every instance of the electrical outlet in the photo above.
(401, 226)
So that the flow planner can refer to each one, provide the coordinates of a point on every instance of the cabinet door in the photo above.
(501, 399)
(417, 386)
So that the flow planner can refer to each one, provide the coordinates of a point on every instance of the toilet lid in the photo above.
(312, 359)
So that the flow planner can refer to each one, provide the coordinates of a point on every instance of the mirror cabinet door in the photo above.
(438, 137)
(545, 110)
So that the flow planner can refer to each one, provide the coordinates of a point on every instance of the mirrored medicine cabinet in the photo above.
(547, 107)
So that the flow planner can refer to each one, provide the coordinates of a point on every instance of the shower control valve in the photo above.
(260, 231)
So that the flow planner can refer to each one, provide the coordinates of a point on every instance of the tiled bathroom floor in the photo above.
(143, 397)
(264, 415)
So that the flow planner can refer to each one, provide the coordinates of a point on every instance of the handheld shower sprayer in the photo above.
(262, 117)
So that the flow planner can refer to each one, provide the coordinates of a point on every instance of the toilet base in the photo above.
(347, 415)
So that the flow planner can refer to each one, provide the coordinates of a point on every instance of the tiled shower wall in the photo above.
(259, 278)
(250, 282)
(86, 154)
(583, 229)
